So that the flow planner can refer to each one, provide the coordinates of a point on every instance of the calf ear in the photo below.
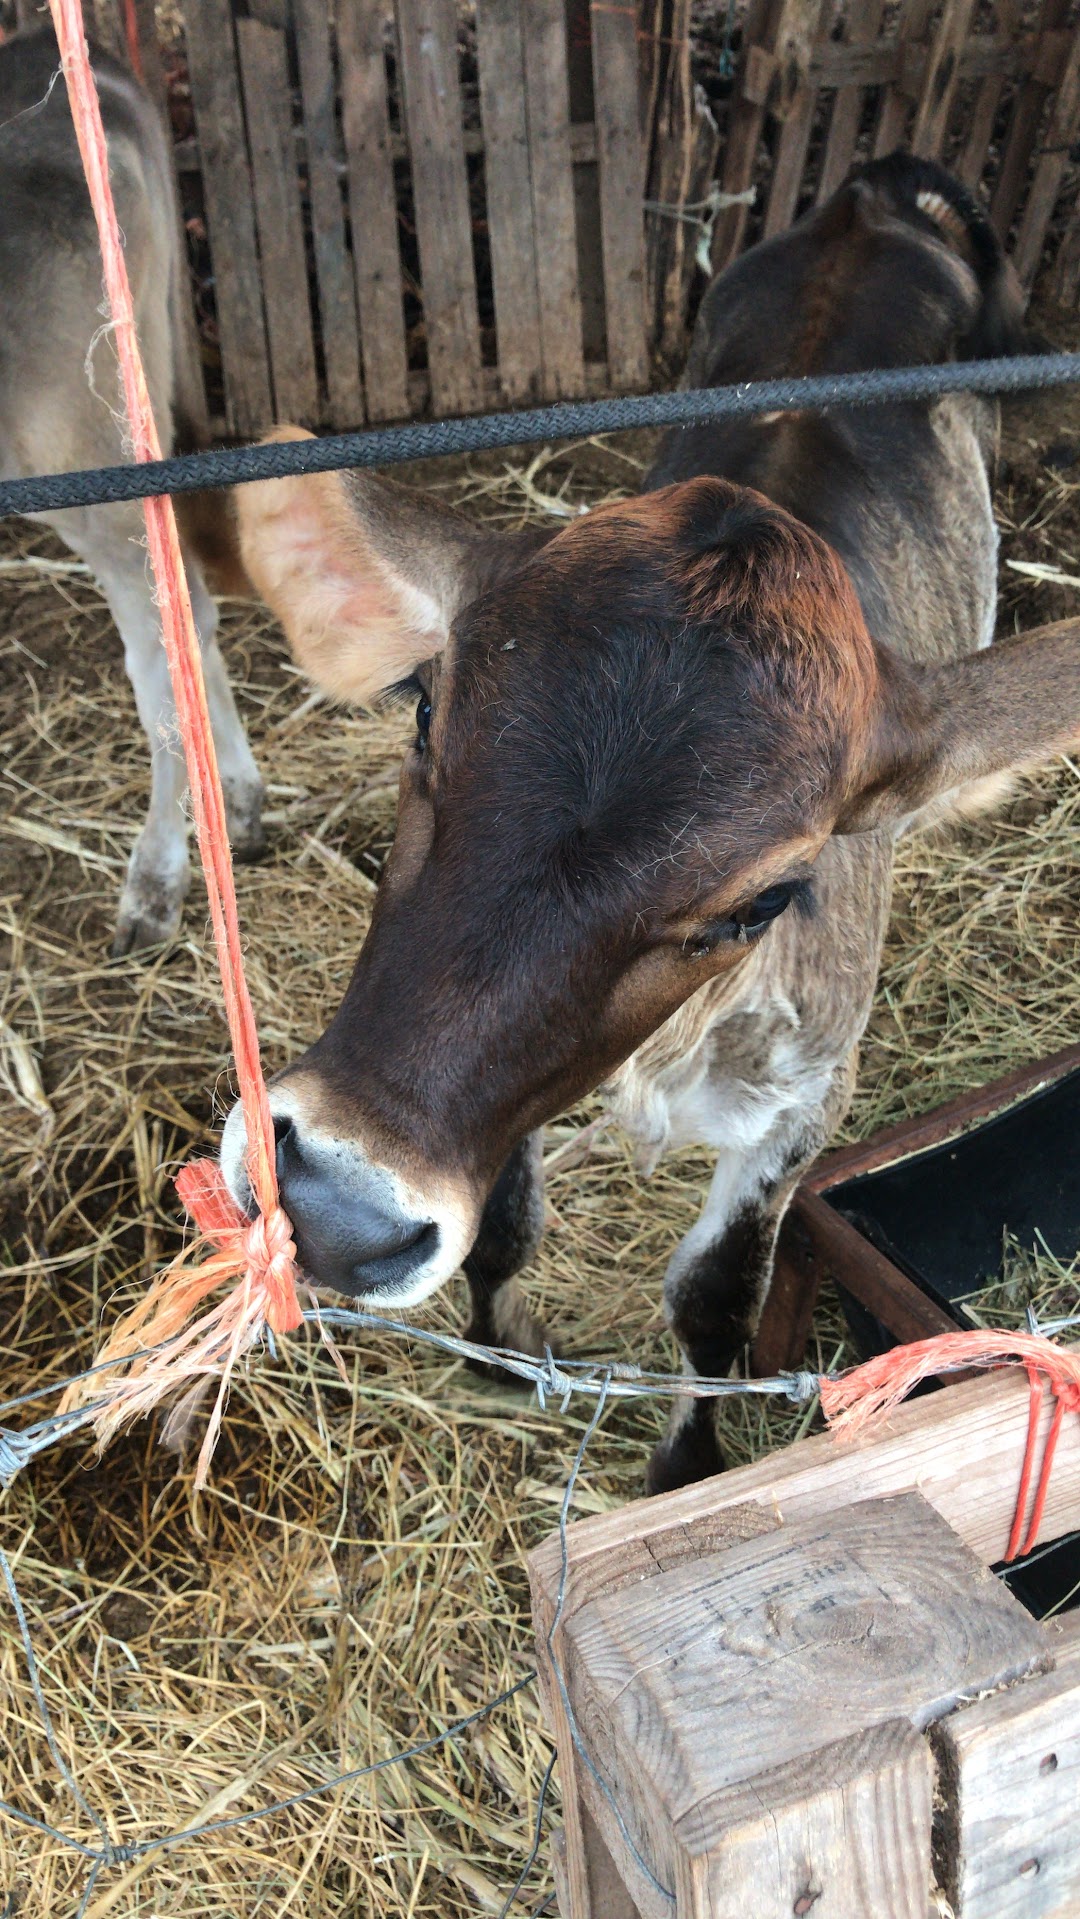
(365, 576)
(948, 739)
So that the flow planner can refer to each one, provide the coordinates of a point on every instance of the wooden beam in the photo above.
(361, 29)
(333, 269)
(730, 1705)
(961, 1447)
(230, 215)
(622, 179)
(267, 102)
(427, 42)
(1009, 1768)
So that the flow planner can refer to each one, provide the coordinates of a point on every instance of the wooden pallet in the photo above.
(804, 1693)
(586, 143)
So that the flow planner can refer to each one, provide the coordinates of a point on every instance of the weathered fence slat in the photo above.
(863, 26)
(427, 43)
(365, 115)
(790, 163)
(896, 107)
(1060, 132)
(1023, 131)
(333, 269)
(267, 104)
(681, 164)
(508, 184)
(969, 167)
(766, 25)
(939, 83)
(230, 215)
(551, 172)
(622, 173)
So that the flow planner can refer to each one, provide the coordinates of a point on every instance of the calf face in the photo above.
(627, 759)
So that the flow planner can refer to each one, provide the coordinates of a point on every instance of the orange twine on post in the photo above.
(260, 1253)
(868, 1392)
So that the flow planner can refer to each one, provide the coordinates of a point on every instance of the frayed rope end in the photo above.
(256, 1257)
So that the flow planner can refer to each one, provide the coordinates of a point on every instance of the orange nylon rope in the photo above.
(261, 1253)
(855, 1399)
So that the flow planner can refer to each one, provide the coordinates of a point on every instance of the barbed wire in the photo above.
(553, 1379)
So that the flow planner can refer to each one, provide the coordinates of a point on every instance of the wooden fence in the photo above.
(427, 205)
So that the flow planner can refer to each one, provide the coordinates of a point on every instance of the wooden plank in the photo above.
(863, 24)
(767, 21)
(716, 1699)
(961, 1447)
(338, 327)
(790, 163)
(427, 42)
(230, 215)
(553, 198)
(848, 1832)
(1010, 1771)
(896, 107)
(1023, 130)
(508, 186)
(626, 1564)
(840, 1253)
(942, 73)
(1060, 134)
(361, 26)
(913, 1135)
(969, 167)
(622, 178)
(1065, 280)
(277, 212)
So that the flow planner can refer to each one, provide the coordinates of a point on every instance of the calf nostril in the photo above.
(283, 1132)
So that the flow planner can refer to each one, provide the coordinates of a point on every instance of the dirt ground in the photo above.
(354, 1577)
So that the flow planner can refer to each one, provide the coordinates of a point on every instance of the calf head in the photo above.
(631, 745)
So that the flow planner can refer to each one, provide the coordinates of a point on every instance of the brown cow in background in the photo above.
(59, 405)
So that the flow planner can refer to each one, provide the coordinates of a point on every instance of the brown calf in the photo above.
(645, 829)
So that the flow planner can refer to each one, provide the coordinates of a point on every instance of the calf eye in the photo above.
(768, 906)
(745, 923)
(423, 721)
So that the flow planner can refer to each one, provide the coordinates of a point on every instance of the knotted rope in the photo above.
(261, 1254)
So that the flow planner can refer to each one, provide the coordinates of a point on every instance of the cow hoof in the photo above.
(150, 914)
(682, 1459)
(250, 846)
(137, 931)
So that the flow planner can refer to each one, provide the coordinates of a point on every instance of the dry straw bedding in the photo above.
(354, 1578)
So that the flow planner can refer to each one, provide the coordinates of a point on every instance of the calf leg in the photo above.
(510, 1231)
(716, 1284)
(240, 779)
(158, 871)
